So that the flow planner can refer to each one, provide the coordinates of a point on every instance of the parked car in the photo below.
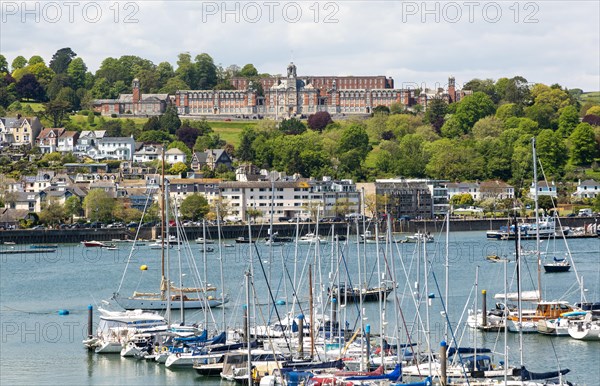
(331, 219)
(132, 225)
(38, 227)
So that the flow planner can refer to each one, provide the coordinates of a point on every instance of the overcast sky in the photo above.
(544, 41)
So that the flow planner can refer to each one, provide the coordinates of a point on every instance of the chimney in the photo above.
(136, 90)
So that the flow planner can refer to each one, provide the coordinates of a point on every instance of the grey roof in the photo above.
(116, 139)
(12, 122)
(588, 183)
(264, 184)
(128, 98)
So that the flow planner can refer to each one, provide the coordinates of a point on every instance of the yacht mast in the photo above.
(537, 222)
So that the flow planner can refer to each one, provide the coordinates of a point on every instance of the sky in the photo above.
(414, 42)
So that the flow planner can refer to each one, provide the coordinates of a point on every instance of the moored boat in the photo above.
(93, 244)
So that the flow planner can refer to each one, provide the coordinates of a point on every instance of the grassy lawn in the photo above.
(592, 174)
(371, 160)
(34, 106)
(229, 131)
(590, 97)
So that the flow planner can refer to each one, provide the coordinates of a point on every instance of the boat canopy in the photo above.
(526, 296)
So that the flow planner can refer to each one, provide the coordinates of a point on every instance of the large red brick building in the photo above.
(291, 95)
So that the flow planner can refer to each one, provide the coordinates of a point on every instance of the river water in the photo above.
(41, 347)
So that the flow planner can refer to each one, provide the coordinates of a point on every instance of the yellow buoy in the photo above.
(143, 267)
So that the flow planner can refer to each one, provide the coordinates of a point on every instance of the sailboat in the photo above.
(178, 297)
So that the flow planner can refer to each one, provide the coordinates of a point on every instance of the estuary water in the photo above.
(38, 346)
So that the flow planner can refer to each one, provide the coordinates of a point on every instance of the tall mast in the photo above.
(537, 222)
(163, 284)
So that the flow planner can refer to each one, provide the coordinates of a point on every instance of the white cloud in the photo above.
(561, 45)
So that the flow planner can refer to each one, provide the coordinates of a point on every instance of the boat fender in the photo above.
(164, 349)
(178, 355)
(63, 312)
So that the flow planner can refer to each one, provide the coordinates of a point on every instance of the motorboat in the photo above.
(419, 237)
(94, 244)
(311, 238)
(118, 327)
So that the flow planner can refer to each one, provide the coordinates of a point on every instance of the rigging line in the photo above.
(133, 246)
(397, 301)
(450, 325)
(262, 267)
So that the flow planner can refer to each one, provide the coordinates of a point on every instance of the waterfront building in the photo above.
(544, 189)
(412, 198)
(290, 197)
(587, 189)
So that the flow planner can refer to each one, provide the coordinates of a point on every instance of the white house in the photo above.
(543, 189)
(174, 155)
(587, 189)
(88, 140)
(116, 148)
(148, 153)
(455, 188)
(67, 141)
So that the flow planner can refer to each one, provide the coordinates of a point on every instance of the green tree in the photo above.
(206, 72)
(186, 71)
(436, 112)
(76, 71)
(3, 66)
(170, 121)
(73, 207)
(412, 157)
(98, 205)
(35, 59)
(593, 110)
(53, 213)
(252, 214)
(90, 118)
(61, 59)
(155, 136)
(67, 94)
(508, 110)
(471, 109)
(546, 203)
(488, 127)
(57, 111)
(485, 86)
(194, 207)
(153, 123)
(462, 200)
(174, 84)
(454, 160)
(18, 63)
(101, 89)
(245, 151)
(582, 143)
(292, 126)
(178, 168)
(551, 151)
(248, 71)
(568, 119)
